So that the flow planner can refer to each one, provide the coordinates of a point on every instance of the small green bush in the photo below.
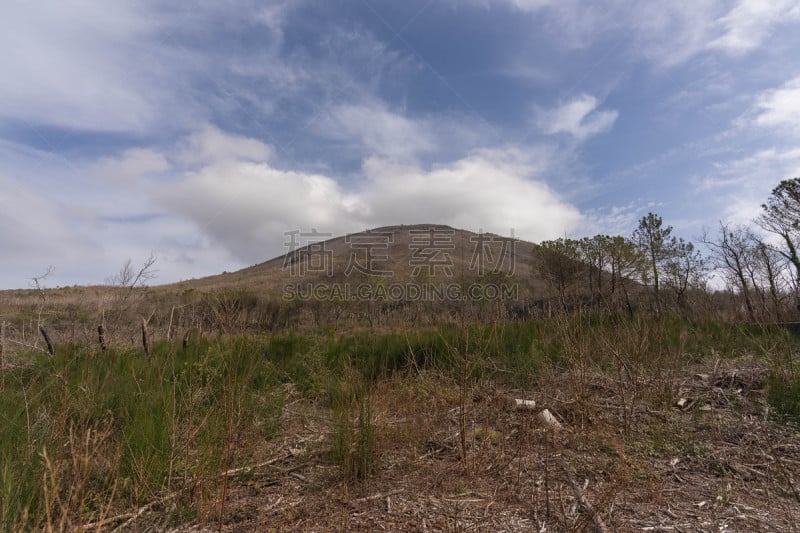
(783, 397)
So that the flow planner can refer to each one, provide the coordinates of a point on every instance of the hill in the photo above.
(391, 275)
(421, 252)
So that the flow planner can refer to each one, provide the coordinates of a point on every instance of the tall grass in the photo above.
(86, 435)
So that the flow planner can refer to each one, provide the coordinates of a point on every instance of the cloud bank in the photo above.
(246, 206)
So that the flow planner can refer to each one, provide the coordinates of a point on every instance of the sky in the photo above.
(203, 132)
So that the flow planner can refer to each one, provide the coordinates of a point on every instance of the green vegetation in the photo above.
(84, 435)
(784, 397)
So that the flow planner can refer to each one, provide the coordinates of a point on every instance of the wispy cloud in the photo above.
(374, 127)
(750, 22)
(78, 65)
(211, 145)
(665, 32)
(741, 185)
(133, 68)
(668, 33)
(130, 165)
(579, 118)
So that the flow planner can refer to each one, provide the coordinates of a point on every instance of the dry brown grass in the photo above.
(723, 468)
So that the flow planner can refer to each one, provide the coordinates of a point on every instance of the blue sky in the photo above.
(203, 131)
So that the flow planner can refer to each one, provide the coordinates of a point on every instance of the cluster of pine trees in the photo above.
(752, 270)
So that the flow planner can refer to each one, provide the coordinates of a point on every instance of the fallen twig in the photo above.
(378, 496)
(587, 507)
(250, 468)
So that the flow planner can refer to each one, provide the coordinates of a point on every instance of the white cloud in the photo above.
(665, 32)
(532, 5)
(780, 107)
(210, 145)
(748, 24)
(36, 234)
(374, 127)
(492, 190)
(760, 161)
(742, 185)
(76, 64)
(613, 220)
(130, 67)
(579, 118)
(371, 128)
(668, 33)
(246, 206)
(132, 164)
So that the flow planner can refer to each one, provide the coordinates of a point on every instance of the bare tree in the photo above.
(684, 270)
(38, 285)
(129, 277)
(772, 274)
(732, 252)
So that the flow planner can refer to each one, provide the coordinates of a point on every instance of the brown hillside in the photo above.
(420, 252)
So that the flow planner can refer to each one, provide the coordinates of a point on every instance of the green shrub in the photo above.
(783, 396)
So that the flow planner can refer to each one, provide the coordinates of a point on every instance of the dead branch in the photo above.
(599, 525)
(378, 496)
(47, 341)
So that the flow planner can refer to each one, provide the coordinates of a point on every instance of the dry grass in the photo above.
(695, 452)
(666, 426)
(682, 469)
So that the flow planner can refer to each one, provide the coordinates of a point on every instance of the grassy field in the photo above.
(326, 432)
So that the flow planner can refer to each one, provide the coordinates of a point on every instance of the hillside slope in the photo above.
(421, 252)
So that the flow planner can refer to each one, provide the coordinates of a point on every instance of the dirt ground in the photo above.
(711, 460)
